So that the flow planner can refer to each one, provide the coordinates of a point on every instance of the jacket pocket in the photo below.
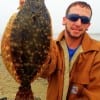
(78, 81)
(76, 91)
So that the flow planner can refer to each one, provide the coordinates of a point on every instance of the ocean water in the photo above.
(96, 36)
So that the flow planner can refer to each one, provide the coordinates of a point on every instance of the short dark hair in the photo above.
(80, 3)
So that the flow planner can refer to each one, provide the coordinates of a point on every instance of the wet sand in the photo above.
(9, 87)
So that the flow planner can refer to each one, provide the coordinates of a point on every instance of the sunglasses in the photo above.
(75, 17)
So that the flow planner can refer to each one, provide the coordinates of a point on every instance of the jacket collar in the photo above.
(88, 44)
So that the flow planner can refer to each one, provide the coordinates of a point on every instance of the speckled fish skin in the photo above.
(30, 37)
(30, 42)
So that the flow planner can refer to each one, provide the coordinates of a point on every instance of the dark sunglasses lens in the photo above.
(85, 20)
(73, 17)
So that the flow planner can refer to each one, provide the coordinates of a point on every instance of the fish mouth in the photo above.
(35, 5)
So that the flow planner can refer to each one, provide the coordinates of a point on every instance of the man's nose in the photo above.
(78, 22)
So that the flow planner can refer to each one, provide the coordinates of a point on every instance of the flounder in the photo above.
(26, 43)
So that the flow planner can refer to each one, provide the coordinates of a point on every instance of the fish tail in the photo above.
(24, 93)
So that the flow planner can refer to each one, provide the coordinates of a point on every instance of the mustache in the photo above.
(75, 28)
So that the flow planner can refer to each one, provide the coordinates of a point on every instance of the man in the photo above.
(73, 64)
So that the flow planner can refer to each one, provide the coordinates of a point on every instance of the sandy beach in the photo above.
(9, 87)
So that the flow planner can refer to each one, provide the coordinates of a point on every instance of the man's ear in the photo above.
(64, 21)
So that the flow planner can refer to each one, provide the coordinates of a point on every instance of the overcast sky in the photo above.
(57, 11)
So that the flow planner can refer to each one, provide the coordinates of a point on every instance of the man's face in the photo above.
(76, 27)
